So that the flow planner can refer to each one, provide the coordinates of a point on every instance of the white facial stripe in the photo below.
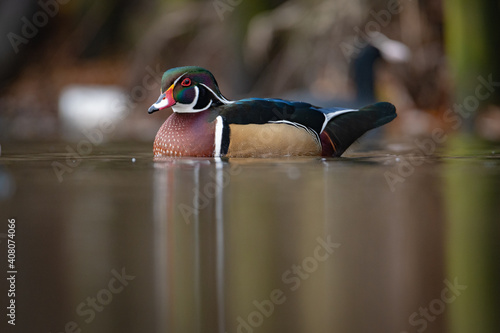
(189, 108)
(180, 77)
(219, 127)
(220, 98)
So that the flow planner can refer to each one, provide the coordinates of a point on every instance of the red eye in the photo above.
(186, 82)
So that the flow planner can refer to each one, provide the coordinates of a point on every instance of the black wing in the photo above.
(262, 111)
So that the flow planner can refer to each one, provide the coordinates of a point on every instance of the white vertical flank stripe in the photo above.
(219, 126)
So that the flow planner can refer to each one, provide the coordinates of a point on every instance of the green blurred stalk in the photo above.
(472, 205)
(472, 42)
(471, 189)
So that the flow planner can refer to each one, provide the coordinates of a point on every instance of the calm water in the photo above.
(386, 241)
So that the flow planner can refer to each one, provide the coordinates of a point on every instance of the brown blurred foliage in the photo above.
(254, 48)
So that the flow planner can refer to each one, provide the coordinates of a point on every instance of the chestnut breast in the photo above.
(186, 134)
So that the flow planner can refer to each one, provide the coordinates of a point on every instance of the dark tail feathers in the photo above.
(346, 128)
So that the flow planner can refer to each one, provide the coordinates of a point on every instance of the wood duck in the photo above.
(206, 124)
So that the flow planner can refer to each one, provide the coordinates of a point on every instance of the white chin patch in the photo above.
(185, 108)
(189, 108)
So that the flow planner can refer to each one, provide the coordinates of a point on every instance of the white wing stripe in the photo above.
(307, 129)
(330, 116)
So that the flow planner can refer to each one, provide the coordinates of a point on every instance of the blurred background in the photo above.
(423, 56)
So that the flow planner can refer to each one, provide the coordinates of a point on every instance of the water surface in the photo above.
(111, 240)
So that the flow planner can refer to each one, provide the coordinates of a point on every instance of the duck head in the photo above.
(188, 90)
